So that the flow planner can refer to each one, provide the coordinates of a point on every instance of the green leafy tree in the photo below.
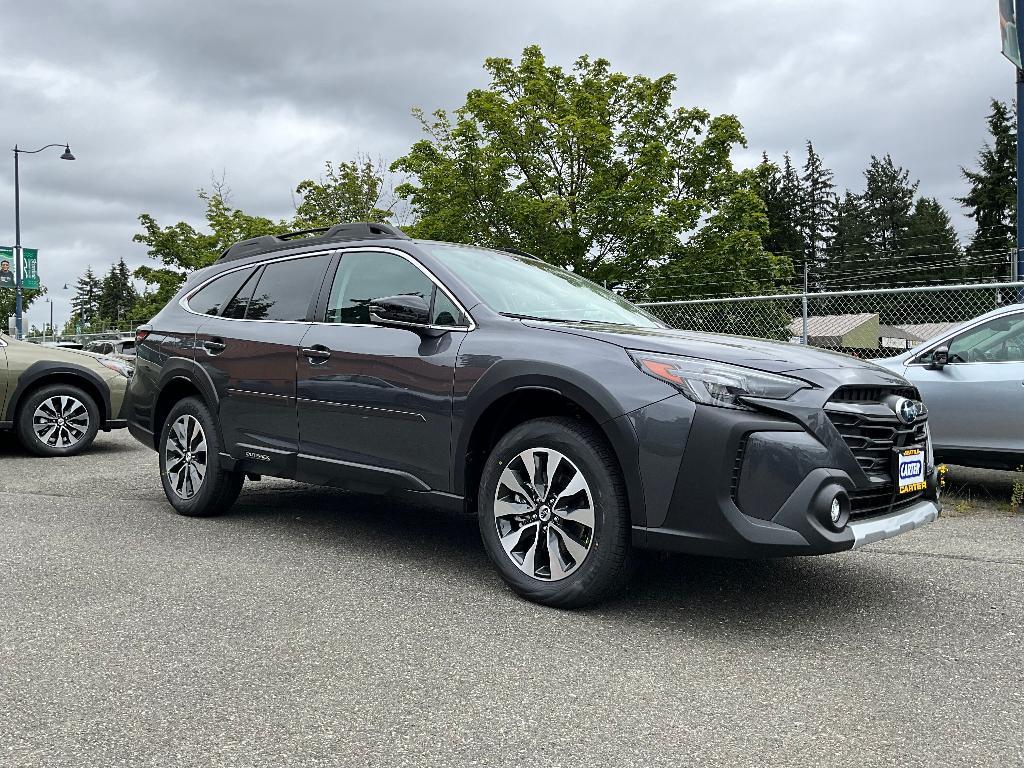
(590, 169)
(348, 191)
(991, 199)
(181, 248)
(7, 305)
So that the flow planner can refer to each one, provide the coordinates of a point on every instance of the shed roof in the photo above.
(830, 325)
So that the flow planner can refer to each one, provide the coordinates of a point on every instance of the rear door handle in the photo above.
(318, 353)
(214, 346)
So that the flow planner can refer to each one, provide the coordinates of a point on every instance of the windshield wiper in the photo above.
(518, 316)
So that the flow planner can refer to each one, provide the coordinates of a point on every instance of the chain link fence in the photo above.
(866, 323)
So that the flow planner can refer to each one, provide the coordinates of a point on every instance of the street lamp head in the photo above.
(67, 153)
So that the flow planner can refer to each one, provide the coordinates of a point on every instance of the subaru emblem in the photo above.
(907, 411)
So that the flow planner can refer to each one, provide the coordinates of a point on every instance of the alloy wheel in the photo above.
(544, 514)
(185, 456)
(60, 421)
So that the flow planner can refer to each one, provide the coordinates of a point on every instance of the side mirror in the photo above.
(940, 358)
(407, 310)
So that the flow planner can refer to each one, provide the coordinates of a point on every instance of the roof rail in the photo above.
(360, 230)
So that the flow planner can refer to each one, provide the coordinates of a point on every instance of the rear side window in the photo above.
(287, 288)
(211, 299)
(237, 306)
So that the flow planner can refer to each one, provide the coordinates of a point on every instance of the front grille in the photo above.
(872, 394)
(871, 430)
(879, 501)
(872, 439)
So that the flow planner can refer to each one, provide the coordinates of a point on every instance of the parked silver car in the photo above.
(971, 378)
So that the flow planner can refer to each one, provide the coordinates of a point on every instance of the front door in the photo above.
(976, 401)
(249, 351)
(375, 403)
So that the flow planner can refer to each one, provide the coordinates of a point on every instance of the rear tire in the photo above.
(190, 463)
(58, 420)
(559, 531)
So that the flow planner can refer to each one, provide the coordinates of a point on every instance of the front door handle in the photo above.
(316, 354)
(214, 346)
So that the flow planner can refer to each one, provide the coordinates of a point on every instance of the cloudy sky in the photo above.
(156, 96)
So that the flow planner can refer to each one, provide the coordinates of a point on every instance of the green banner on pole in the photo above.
(30, 269)
(7, 279)
(1010, 31)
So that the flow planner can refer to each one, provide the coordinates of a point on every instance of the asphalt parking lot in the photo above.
(311, 627)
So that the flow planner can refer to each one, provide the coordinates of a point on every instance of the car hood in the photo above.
(56, 354)
(770, 356)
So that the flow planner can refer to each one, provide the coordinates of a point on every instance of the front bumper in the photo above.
(752, 484)
(885, 527)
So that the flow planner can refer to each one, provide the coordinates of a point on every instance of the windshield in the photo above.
(523, 286)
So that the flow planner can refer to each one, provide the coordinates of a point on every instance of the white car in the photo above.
(971, 378)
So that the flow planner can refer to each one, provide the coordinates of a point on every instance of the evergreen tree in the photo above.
(887, 203)
(932, 252)
(779, 190)
(117, 296)
(872, 228)
(992, 198)
(85, 304)
(850, 252)
(818, 206)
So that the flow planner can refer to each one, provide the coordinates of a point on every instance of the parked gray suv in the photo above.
(577, 427)
(972, 380)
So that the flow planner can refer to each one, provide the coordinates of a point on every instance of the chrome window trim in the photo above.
(914, 361)
(183, 301)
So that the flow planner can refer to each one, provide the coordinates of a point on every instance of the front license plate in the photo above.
(910, 470)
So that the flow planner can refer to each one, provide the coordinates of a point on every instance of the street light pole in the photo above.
(1019, 260)
(17, 248)
(17, 229)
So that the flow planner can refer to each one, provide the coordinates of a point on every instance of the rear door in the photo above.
(374, 402)
(249, 349)
(976, 402)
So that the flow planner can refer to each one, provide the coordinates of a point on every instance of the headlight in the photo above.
(119, 366)
(711, 383)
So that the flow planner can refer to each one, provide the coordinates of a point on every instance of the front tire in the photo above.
(190, 465)
(553, 513)
(58, 420)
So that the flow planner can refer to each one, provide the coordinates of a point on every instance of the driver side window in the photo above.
(1000, 340)
(363, 277)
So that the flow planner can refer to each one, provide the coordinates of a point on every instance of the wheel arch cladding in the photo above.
(43, 374)
(519, 399)
(175, 387)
